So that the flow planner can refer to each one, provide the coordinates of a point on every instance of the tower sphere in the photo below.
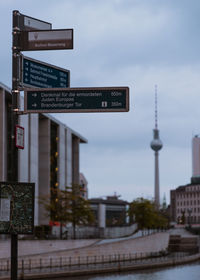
(156, 145)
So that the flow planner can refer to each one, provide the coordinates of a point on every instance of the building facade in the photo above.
(185, 204)
(185, 200)
(50, 157)
(84, 186)
(110, 211)
(196, 158)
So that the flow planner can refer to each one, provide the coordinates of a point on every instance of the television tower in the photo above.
(156, 145)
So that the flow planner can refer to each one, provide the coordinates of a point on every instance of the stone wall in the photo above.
(95, 232)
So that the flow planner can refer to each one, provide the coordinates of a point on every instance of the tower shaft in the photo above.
(156, 181)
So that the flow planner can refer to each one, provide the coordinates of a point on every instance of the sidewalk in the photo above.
(52, 248)
(37, 247)
(74, 248)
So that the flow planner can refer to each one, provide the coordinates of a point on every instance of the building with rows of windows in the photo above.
(185, 200)
(185, 204)
(50, 157)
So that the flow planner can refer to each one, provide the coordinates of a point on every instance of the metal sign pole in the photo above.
(14, 122)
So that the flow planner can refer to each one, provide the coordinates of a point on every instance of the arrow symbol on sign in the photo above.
(34, 94)
(34, 105)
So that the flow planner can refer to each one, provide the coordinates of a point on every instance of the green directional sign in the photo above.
(76, 100)
(35, 73)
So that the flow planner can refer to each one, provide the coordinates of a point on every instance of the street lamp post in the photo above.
(14, 122)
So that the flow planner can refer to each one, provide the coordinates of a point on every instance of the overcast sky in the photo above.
(134, 43)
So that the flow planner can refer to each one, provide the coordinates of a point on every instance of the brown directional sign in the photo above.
(55, 39)
(30, 23)
(76, 100)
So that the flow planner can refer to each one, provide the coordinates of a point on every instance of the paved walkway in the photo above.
(93, 247)
(37, 247)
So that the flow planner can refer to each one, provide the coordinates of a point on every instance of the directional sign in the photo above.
(35, 73)
(30, 23)
(73, 100)
(55, 39)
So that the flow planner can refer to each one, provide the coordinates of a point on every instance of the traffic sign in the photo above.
(55, 39)
(36, 73)
(76, 100)
(30, 23)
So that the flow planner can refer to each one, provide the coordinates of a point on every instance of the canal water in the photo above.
(185, 272)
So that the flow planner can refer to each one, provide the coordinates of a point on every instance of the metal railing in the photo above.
(41, 265)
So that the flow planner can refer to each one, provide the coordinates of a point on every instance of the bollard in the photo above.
(22, 272)
(7, 265)
(22, 265)
(50, 263)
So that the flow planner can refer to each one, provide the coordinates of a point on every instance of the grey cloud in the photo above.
(132, 43)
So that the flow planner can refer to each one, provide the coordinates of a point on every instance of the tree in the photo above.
(58, 206)
(81, 212)
(68, 206)
(146, 214)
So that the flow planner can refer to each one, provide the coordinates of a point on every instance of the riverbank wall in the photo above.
(97, 257)
(120, 266)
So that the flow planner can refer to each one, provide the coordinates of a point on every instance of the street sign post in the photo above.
(55, 39)
(27, 34)
(30, 23)
(76, 100)
(35, 73)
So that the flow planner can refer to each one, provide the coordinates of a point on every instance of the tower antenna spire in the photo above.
(156, 109)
